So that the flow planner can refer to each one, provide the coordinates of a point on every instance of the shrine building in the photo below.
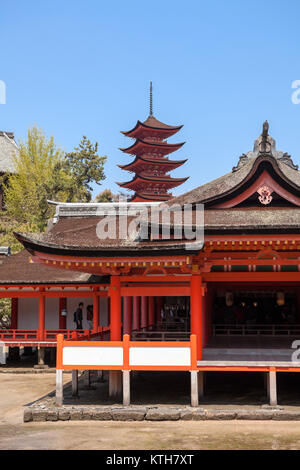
(230, 303)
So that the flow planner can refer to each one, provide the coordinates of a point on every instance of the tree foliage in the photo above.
(85, 166)
(44, 172)
(106, 196)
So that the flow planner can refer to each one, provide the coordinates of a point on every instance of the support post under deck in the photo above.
(272, 388)
(59, 387)
(74, 383)
(126, 387)
(194, 388)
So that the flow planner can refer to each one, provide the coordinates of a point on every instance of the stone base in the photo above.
(141, 413)
(40, 366)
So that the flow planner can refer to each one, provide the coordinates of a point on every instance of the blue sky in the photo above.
(220, 68)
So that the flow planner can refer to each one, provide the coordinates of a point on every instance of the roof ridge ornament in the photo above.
(265, 145)
(287, 159)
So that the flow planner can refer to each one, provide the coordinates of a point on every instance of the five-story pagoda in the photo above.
(151, 163)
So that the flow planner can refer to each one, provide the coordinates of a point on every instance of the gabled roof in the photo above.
(8, 148)
(249, 163)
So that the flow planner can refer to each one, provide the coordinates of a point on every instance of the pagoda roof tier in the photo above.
(152, 181)
(142, 197)
(152, 127)
(142, 147)
(162, 163)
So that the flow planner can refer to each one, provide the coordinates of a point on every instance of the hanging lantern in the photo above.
(229, 299)
(280, 298)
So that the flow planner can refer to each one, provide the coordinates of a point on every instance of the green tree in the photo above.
(85, 166)
(44, 172)
(39, 176)
(106, 196)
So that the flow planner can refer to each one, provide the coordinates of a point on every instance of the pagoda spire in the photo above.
(151, 100)
(151, 164)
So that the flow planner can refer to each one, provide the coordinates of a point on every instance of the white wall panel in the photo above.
(93, 356)
(72, 305)
(51, 313)
(156, 356)
(28, 313)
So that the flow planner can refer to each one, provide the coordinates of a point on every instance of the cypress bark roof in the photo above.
(16, 269)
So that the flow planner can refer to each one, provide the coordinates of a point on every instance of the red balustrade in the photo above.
(19, 335)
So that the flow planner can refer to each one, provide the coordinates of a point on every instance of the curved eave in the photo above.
(35, 247)
(169, 163)
(140, 142)
(172, 181)
(143, 197)
(169, 130)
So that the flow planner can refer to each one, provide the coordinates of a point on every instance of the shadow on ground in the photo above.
(222, 390)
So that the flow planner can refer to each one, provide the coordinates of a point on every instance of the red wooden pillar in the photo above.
(151, 311)
(127, 317)
(136, 313)
(14, 314)
(41, 334)
(204, 320)
(115, 308)
(144, 312)
(62, 318)
(95, 313)
(196, 311)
